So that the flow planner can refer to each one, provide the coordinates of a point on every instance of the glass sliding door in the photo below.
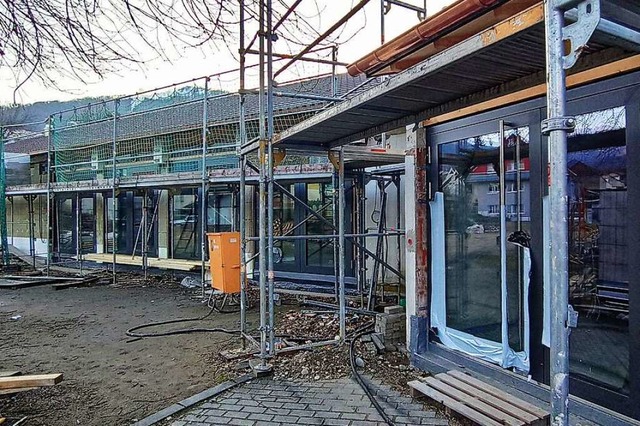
(185, 228)
(319, 253)
(87, 225)
(284, 224)
(481, 259)
(66, 226)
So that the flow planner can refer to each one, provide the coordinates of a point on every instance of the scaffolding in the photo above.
(269, 157)
(575, 25)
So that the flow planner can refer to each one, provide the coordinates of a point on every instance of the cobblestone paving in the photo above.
(337, 402)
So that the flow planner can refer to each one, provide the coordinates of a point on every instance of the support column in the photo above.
(417, 226)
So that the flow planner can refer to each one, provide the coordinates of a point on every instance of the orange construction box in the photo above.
(224, 261)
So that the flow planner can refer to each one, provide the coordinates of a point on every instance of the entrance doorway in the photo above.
(481, 242)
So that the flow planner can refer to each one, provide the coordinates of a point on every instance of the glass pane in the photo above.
(220, 213)
(121, 223)
(517, 206)
(66, 227)
(284, 224)
(598, 268)
(471, 186)
(185, 225)
(319, 198)
(88, 225)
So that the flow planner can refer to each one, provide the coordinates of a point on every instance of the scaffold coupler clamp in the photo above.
(568, 124)
(572, 318)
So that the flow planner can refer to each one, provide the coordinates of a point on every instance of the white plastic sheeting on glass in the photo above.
(546, 274)
(484, 349)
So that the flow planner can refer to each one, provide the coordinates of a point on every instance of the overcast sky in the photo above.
(191, 63)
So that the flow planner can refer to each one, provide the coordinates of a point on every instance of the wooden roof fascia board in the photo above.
(621, 66)
(518, 23)
(479, 24)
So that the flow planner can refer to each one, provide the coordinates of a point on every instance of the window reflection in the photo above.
(284, 224)
(469, 179)
(319, 198)
(598, 268)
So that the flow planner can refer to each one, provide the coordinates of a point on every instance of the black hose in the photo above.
(131, 331)
(358, 378)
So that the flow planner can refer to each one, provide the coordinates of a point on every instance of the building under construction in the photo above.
(505, 138)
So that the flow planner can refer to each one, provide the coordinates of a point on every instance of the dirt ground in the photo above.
(109, 378)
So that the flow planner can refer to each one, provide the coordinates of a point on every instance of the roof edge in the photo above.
(441, 23)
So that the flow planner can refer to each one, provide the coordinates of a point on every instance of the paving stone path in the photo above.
(336, 402)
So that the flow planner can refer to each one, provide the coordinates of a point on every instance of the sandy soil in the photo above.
(109, 378)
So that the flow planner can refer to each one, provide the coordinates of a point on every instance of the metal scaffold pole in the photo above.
(145, 237)
(558, 249)
(79, 231)
(342, 242)
(242, 190)
(270, 166)
(242, 194)
(262, 222)
(586, 17)
(556, 126)
(49, 209)
(3, 203)
(204, 189)
(114, 190)
(334, 220)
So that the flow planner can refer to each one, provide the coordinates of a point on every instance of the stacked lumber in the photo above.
(152, 262)
(13, 382)
(478, 401)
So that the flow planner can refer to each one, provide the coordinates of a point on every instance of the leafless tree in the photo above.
(91, 36)
(46, 39)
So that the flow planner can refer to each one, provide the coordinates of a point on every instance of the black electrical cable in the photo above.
(131, 331)
(358, 378)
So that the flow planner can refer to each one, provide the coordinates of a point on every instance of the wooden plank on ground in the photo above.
(35, 380)
(454, 405)
(496, 402)
(472, 402)
(16, 390)
(14, 284)
(152, 262)
(41, 278)
(526, 406)
(65, 285)
(9, 373)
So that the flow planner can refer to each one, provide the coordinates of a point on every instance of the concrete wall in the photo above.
(163, 225)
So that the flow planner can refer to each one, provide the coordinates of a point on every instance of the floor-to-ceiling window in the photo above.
(129, 233)
(598, 248)
(319, 252)
(294, 217)
(483, 207)
(184, 221)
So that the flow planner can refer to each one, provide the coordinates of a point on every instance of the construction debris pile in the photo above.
(319, 324)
